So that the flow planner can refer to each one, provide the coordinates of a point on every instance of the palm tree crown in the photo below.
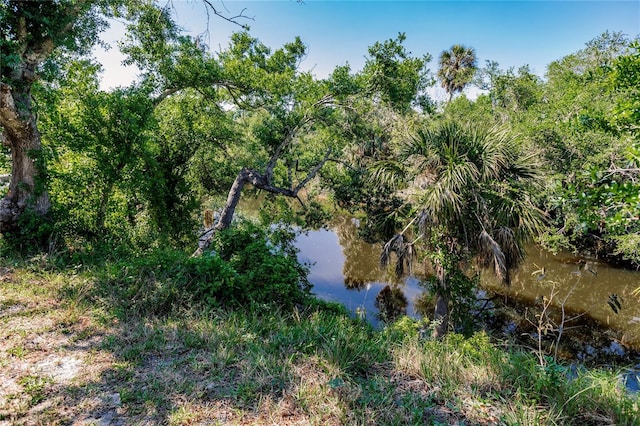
(476, 191)
(468, 186)
(456, 68)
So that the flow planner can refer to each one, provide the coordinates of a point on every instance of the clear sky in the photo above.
(513, 33)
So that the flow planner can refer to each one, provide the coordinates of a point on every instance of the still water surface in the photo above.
(346, 269)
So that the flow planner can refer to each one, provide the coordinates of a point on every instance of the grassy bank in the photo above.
(76, 349)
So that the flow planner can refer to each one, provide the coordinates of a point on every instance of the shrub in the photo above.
(266, 262)
(248, 265)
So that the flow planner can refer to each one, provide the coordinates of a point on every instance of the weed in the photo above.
(34, 386)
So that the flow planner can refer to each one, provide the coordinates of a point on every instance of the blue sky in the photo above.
(513, 33)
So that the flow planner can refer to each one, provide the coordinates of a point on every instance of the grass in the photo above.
(73, 352)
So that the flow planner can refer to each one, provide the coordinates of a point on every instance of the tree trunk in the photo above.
(441, 313)
(233, 198)
(102, 208)
(21, 135)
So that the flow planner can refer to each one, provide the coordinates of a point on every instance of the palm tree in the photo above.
(468, 188)
(457, 66)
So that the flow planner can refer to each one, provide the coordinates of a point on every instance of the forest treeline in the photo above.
(125, 171)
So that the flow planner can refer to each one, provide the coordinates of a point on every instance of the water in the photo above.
(586, 286)
(346, 269)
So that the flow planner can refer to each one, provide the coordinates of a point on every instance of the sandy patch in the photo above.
(60, 369)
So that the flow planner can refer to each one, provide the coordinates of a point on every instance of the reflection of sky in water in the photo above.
(322, 250)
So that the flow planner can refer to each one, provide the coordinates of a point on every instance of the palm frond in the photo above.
(512, 207)
(491, 254)
(403, 250)
(511, 246)
(387, 250)
(425, 220)
(524, 168)
(445, 203)
(390, 173)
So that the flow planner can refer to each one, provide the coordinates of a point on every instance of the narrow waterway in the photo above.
(345, 269)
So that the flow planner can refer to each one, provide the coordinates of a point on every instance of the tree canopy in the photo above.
(456, 68)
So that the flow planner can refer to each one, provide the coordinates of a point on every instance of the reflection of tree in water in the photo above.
(391, 303)
(361, 259)
(424, 304)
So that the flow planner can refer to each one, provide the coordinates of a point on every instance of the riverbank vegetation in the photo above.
(108, 314)
(112, 344)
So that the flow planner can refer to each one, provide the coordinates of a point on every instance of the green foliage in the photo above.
(34, 234)
(579, 126)
(605, 206)
(394, 76)
(462, 109)
(266, 262)
(114, 175)
(584, 136)
(370, 129)
(626, 80)
(252, 266)
(468, 188)
(68, 26)
(516, 92)
(461, 289)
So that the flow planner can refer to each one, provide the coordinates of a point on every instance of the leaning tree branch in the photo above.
(259, 181)
(278, 152)
(313, 172)
(291, 133)
(343, 163)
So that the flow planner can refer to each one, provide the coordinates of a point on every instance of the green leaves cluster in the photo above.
(248, 266)
(394, 76)
(31, 30)
(625, 78)
(579, 125)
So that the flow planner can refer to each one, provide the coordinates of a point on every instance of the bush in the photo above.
(266, 262)
(248, 265)
(32, 235)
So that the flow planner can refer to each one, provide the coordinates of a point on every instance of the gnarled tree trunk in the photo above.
(21, 135)
(260, 181)
(32, 30)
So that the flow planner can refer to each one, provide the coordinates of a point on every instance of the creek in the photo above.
(346, 269)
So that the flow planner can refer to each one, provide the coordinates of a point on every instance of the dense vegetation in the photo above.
(120, 186)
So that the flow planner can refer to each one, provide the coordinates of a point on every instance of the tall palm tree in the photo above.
(456, 68)
(469, 191)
